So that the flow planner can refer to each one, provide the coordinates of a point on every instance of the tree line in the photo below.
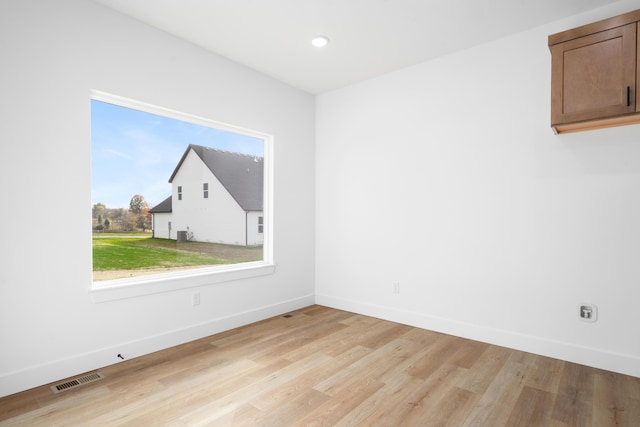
(136, 218)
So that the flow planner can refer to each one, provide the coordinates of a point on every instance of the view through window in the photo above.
(170, 194)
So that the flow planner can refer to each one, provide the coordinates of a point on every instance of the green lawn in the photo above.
(134, 253)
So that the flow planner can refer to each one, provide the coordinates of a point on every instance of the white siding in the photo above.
(254, 237)
(218, 218)
(161, 226)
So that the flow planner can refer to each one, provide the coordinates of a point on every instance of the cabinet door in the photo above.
(594, 76)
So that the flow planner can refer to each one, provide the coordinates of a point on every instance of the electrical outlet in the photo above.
(588, 312)
(195, 299)
(396, 287)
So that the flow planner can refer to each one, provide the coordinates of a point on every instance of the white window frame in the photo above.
(110, 290)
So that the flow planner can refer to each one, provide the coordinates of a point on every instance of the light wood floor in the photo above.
(326, 367)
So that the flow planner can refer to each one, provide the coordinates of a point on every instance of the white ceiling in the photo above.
(368, 37)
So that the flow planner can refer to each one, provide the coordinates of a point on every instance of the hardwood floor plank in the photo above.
(573, 404)
(484, 370)
(312, 310)
(342, 402)
(498, 400)
(294, 339)
(322, 366)
(389, 396)
(308, 379)
(467, 352)
(440, 350)
(228, 402)
(530, 410)
(306, 400)
(544, 373)
(61, 412)
(404, 352)
(381, 335)
(195, 391)
(451, 410)
(421, 401)
(372, 334)
(363, 367)
(273, 335)
(22, 402)
(611, 405)
(630, 386)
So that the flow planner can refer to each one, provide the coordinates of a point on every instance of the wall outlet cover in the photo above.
(588, 312)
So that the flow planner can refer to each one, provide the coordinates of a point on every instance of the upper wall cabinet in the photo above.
(595, 71)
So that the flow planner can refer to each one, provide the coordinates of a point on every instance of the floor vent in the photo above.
(77, 382)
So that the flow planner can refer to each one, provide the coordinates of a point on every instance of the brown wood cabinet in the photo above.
(595, 71)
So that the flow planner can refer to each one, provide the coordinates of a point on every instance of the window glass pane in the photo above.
(140, 163)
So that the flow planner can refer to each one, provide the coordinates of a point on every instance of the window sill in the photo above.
(112, 290)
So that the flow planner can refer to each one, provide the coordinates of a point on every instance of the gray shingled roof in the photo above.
(241, 174)
(162, 207)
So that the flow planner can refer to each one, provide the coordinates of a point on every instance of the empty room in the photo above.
(279, 213)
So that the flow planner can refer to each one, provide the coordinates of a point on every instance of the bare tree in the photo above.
(137, 204)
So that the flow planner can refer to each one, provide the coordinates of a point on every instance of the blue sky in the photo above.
(134, 152)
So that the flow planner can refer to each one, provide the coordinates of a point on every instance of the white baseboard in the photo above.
(36, 376)
(594, 357)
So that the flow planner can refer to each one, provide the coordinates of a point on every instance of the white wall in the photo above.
(53, 54)
(447, 178)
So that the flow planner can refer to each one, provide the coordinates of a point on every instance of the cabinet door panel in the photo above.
(594, 76)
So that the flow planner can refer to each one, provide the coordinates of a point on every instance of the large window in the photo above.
(174, 194)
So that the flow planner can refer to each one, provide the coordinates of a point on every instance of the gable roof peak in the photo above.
(241, 174)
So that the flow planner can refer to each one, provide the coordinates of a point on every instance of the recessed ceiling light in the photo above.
(320, 41)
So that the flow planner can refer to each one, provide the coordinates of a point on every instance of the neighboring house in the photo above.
(216, 196)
